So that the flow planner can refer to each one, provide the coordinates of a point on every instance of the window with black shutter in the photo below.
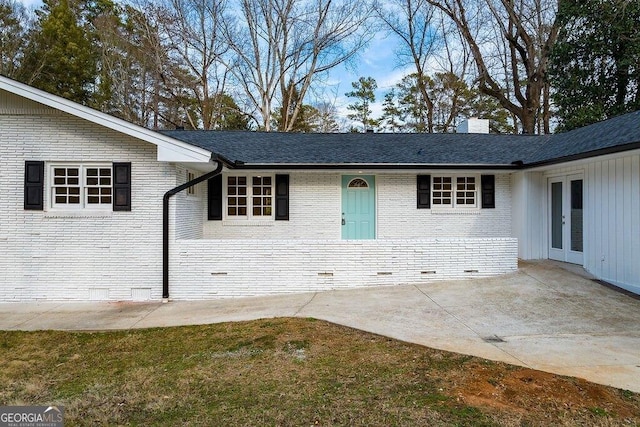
(215, 198)
(122, 186)
(282, 197)
(488, 184)
(34, 185)
(424, 191)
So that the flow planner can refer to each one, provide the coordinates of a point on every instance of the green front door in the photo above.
(358, 207)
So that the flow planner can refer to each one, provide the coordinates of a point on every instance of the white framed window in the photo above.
(81, 186)
(459, 191)
(442, 191)
(465, 193)
(249, 197)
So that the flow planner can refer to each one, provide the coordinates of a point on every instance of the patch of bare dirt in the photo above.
(521, 390)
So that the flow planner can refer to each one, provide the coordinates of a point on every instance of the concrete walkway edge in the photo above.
(543, 317)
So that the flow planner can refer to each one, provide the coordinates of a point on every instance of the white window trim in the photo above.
(82, 207)
(454, 206)
(249, 218)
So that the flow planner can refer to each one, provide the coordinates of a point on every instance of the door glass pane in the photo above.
(576, 215)
(556, 215)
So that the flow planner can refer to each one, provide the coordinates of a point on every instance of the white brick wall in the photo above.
(239, 258)
(189, 207)
(118, 255)
(231, 268)
(399, 218)
(113, 256)
(315, 212)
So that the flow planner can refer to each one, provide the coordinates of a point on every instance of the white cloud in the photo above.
(393, 77)
(378, 61)
(31, 4)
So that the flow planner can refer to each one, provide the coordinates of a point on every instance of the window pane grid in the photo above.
(98, 186)
(81, 186)
(466, 191)
(442, 191)
(262, 196)
(66, 185)
(459, 191)
(236, 196)
(249, 197)
(190, 177)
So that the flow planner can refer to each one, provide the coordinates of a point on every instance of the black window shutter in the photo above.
(122, 186)
(488, 191)
(424, 191)
(282, 197)
(215, 198)
(34, 185)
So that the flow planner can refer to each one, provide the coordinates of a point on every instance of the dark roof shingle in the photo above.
(616, 132)
(268, 148)
(482, 150)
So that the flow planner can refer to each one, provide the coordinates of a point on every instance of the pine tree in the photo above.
(595, 64)
(364, 92)
(414, 106)
(391, 120)
(60, 57)
(12, 31)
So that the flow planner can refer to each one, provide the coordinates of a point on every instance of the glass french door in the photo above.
(566, 218)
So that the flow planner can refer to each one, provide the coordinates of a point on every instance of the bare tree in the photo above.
(154, 87)
(511, 67)
(282, 46)
(326, 118)
(414, 23)
(198, 44)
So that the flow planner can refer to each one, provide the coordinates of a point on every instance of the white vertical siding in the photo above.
(612, 251)
(528, 214)
(634, 213)
(11, 104)
(611, 216)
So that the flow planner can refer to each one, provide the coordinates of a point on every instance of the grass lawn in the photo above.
(297, 372)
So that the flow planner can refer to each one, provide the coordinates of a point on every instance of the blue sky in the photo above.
(377, 61)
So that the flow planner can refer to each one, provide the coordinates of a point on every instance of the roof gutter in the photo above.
(374, 166)
(586, 155)
(165, 219)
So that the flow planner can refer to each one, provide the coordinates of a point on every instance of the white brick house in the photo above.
(81, 212)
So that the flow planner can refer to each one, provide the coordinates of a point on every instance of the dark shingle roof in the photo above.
(268, 148)
(482, 150)
(616, 132)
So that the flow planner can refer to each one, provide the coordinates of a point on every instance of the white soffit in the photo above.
(169, 149)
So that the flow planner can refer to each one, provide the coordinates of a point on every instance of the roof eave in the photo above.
(371, 166)
(586, 155)
(169, 149)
